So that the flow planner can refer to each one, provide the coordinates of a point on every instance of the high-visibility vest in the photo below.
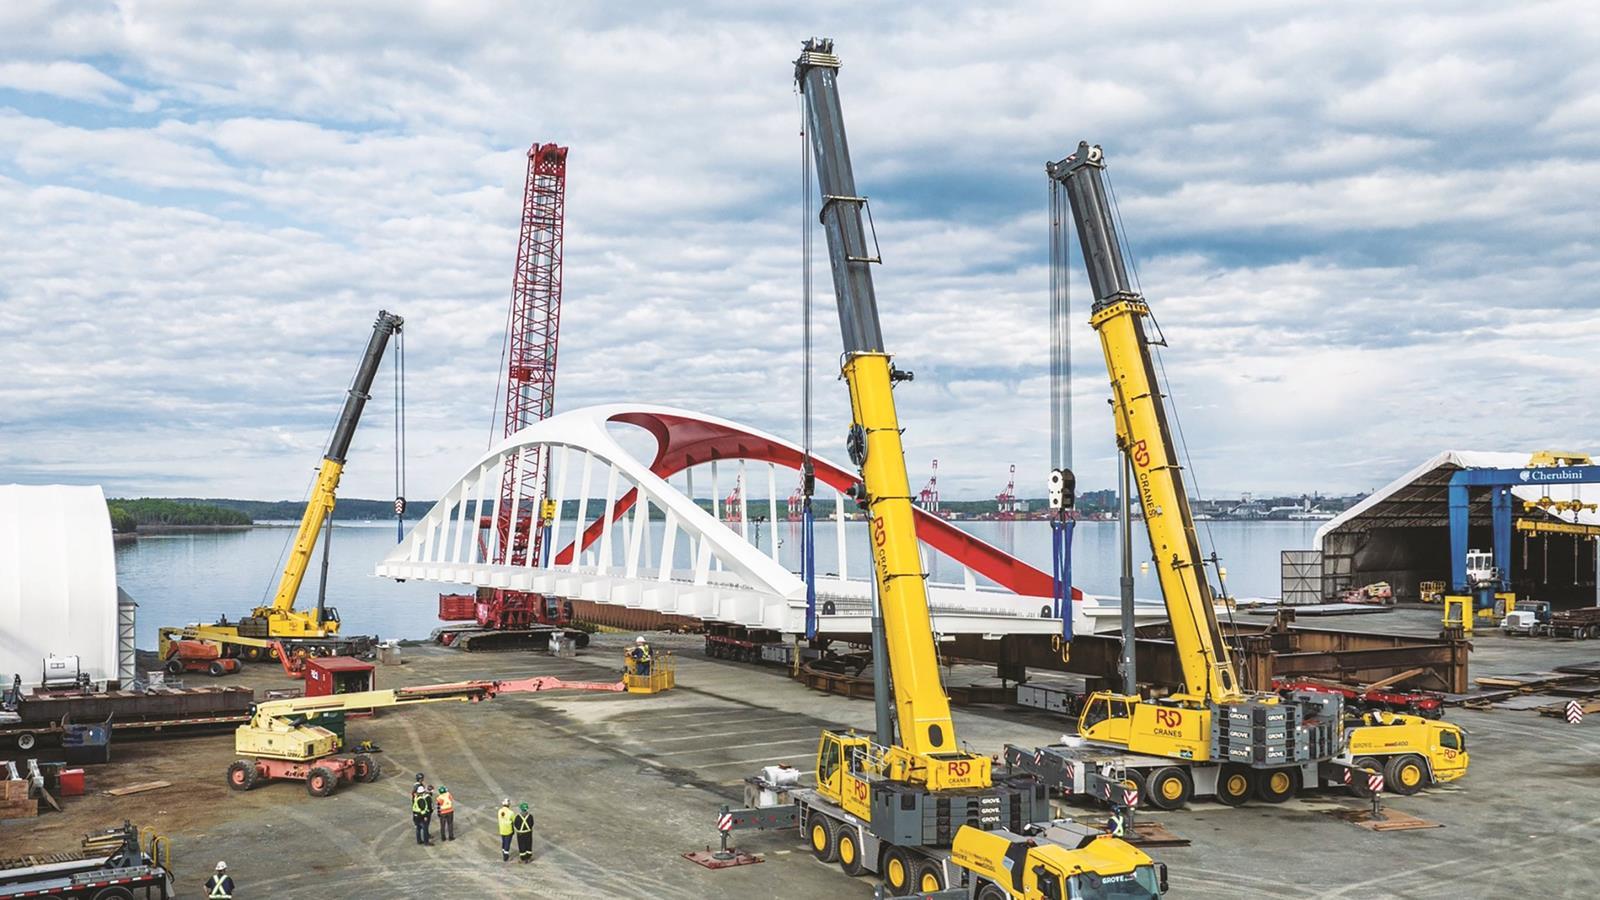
(219, 887)
(642, 653)
(1117, 829)
(447, 804)
(523, 824)
(419, 805)
(505, 820)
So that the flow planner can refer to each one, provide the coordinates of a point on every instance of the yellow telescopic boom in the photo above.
(282, 619)
(1143, 434)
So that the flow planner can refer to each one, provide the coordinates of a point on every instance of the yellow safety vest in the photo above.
(447, 804)
(419, 804)
(218, 886)
(505, 820)
(524, 823)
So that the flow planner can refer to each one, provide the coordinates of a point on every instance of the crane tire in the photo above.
(320, 781)
(849, 846)
(1235, 784)
(1277, 785)
(897, 871)
(991, 891)
(1170, 787)
(930, 877)
(1405, 774)
(822, 836)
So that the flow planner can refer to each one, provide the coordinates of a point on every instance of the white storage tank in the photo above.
(58, 580)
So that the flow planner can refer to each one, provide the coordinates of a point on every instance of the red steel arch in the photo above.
(683, 441)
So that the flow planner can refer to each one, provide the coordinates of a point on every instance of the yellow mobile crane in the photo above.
(920, 810)
(315, 630)
(1210, 736)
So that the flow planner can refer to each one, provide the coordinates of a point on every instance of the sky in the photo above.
(1368, 230)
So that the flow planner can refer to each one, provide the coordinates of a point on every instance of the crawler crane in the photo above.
(922, 811)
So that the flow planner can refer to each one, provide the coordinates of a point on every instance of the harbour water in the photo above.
(179, 578)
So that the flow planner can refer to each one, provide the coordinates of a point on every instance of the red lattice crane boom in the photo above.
(516, 534)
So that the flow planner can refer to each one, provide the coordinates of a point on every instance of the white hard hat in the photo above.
(506, 802)
(639, 639)
(221, 865)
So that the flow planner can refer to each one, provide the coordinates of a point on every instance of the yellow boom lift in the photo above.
(920, 810)
(1209, 736)
(316, 630)
(300, 739)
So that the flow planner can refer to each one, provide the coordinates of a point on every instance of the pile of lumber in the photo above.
(14, 800)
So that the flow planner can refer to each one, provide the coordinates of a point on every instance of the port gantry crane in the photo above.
(314, 630)
(918, 808)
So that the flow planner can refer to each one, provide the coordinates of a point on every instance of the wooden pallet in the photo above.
(1529, 682)
(1559, 710)
(1392, 820)
(1154, 834)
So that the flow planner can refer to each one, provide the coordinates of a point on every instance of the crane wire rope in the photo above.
(399, 435)
(1177, 420)
(274, 575)
(808, 563)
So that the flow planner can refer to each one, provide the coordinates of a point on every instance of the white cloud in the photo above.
(1358, 228)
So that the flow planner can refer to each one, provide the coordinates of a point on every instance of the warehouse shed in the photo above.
(1401, 534)
(58, 581)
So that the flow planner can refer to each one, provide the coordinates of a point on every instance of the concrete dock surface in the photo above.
(621, 785)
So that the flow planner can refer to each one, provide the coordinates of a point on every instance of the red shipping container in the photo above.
(72, 782)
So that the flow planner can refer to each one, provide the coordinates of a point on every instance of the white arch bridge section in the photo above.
(640, 542)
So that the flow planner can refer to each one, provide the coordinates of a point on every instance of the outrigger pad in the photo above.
(708, 858)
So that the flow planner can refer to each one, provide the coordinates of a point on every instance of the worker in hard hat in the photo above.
(422, 813)
(219, 886)
(446, 805)
(522, 824)
(506, 817)
(639, 655)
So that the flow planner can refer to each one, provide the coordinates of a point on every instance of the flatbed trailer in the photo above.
(472, 637)
(42, 715)
(136, 866)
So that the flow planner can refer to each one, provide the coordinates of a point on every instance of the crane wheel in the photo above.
(820, 834)
(897, 871)
(992, 892)
(850, 852)
(930, 877)
(1405, 774)
(321, 781)
(1277, 785)
(1170, 788)
(242, 775)
(1235, 784)
(366, 768)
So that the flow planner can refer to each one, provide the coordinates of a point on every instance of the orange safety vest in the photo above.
(447, 804)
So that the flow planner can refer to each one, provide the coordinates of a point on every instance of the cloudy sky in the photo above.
(1368, 234)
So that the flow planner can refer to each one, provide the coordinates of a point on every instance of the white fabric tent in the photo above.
(58, 580)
